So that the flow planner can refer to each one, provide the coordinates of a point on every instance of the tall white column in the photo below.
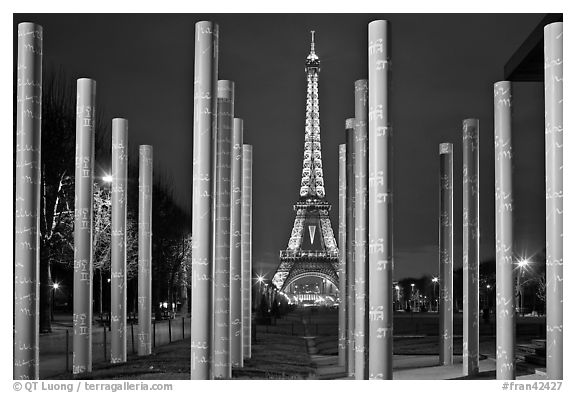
(247, 249)
(84, 201)
(350, 244)
(553, 101)
(446, 252)
(361, 228)
(221, 367)
(118, 241)
(205, 79)
(471, 246)
(380, 202)
(145, 185)
(27, 202)
(504, 204)
(236, 348)
(342, 308)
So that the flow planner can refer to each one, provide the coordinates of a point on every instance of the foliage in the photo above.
(102, 233)
(171, 225)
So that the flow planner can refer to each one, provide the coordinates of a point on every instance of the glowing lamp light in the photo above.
(435, 279)
(523, 263)
(107, 178)
(55, 285)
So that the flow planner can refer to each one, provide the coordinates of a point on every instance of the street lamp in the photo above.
(522, 264)
(488, 286)
(412, 296)
(260, 280)
(435, 281)
(55, 286)
(107, 178)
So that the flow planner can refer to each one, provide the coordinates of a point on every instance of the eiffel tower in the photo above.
(312, 249)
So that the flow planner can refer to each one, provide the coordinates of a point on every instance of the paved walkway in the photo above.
(417, 367)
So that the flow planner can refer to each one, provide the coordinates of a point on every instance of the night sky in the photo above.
(443, 69)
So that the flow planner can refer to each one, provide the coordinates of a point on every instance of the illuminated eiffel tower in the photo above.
(312, 249)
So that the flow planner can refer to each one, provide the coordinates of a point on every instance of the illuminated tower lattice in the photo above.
(312, 249)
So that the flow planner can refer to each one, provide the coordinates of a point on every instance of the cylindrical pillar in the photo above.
(380, 234)
(27, 203)
(360, 227)
(145, 250)
(350, 244)
(236, 357)
(118, 240)
(247, 250)
(471, 246)
(445, 257)
(504, 205)
(84, 197)
(342, 326)
(221, 367)
(553, 101)
(205, 79)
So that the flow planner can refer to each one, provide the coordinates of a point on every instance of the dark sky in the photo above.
(443, 68)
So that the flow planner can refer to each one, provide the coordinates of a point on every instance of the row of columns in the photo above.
(27, 239)
(372, 358)
(83, 254)
(221, 220)
(504, 219)
(82, 316)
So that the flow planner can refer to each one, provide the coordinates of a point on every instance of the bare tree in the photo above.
(57, 183)
(57, 199)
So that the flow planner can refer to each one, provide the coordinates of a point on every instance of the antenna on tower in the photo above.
(312, 61)
(312, 43)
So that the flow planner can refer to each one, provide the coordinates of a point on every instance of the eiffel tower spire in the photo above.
(312, 249)
(312, 184)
